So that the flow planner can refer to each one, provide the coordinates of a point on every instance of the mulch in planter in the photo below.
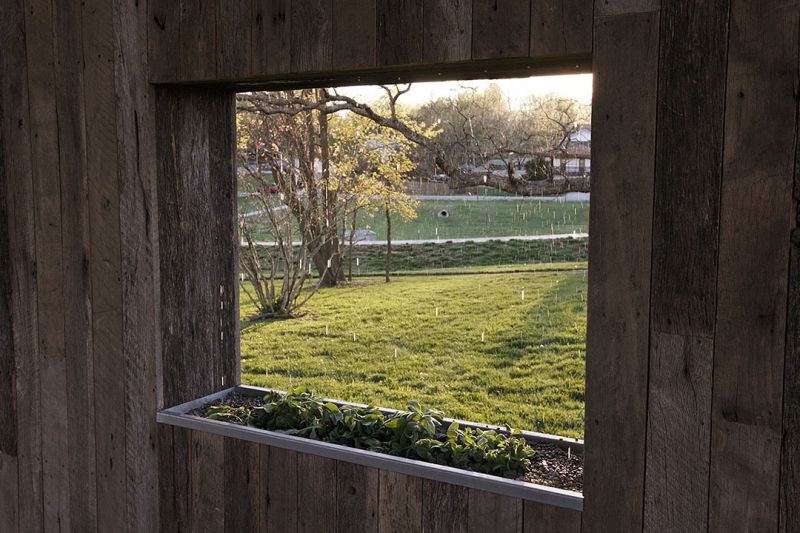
(552, 466)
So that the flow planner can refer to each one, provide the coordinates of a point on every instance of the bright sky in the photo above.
(577, 86)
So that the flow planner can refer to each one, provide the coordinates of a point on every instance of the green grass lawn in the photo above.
(527, 372)
(485, 218)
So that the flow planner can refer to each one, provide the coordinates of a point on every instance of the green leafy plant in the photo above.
(415, 434)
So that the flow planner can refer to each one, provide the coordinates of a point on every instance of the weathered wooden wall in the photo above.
(79, 206)
(693, 365)
(269, 489)
(690, 415)
(277, 40)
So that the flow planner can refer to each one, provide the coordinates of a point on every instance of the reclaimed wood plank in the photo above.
(447, 28)
(624, 116)
(757, 213)
(172, 287)
(16, 124)
(678, 433)
(687, 196)
(357, 491)
(167, 508)
(8, 417)
(354, 34)
(197, 48)
(195, 347)
(501, 28)
(271, 35)
(280, 469)
(539, 518)
(9, 502)
(790, 448)
(312, 36)
(224, 234)
(105, 269)
(138, 213)
(207, 465)
(445, 507)
(233, 39)
(316, 493)
(50, 280)
(163, 40)
(684, 292)
(686, 218)
(400, 503)
(561, 28)
(76, 256)
(605, 8)
(493, 512)
(400, 32)
(242, 485)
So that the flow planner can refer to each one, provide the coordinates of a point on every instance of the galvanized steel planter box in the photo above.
(179, 416)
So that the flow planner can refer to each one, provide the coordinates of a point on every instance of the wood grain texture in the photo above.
(196, 185)
(757, 214)
(400, 504)
(225, 234)
(500, 28)
(400, 32)
(105, 264)
(138, 236)
(50, 279)
(207, 467)
(15, 131)
(357, 492)
(678, 433)
(354, 38)
(790, 448)
(241, 495)
(312, 35)
(9, 505)
(163, 40)
(539, 518)
(76, 254)
(316, 494)
(279, 468)
(271, 36)
(604, 8)
(8, 417)
(447, 26)
(445, 507)
(624, 113)
(233, 27)
(687, 198)
(197, 46)
(561, 27)
(493, 512)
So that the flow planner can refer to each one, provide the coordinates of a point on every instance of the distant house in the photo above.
(574, 156)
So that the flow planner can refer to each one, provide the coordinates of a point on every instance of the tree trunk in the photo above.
(351, 245)
(388, 244)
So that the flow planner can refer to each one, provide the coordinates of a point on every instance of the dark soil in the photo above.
(552, 466)
(555, 467)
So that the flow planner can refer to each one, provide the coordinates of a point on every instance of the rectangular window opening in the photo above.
(420, 247)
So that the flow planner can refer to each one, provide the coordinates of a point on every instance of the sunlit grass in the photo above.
(386, 345)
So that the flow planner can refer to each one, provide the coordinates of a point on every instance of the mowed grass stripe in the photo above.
(528, 372)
